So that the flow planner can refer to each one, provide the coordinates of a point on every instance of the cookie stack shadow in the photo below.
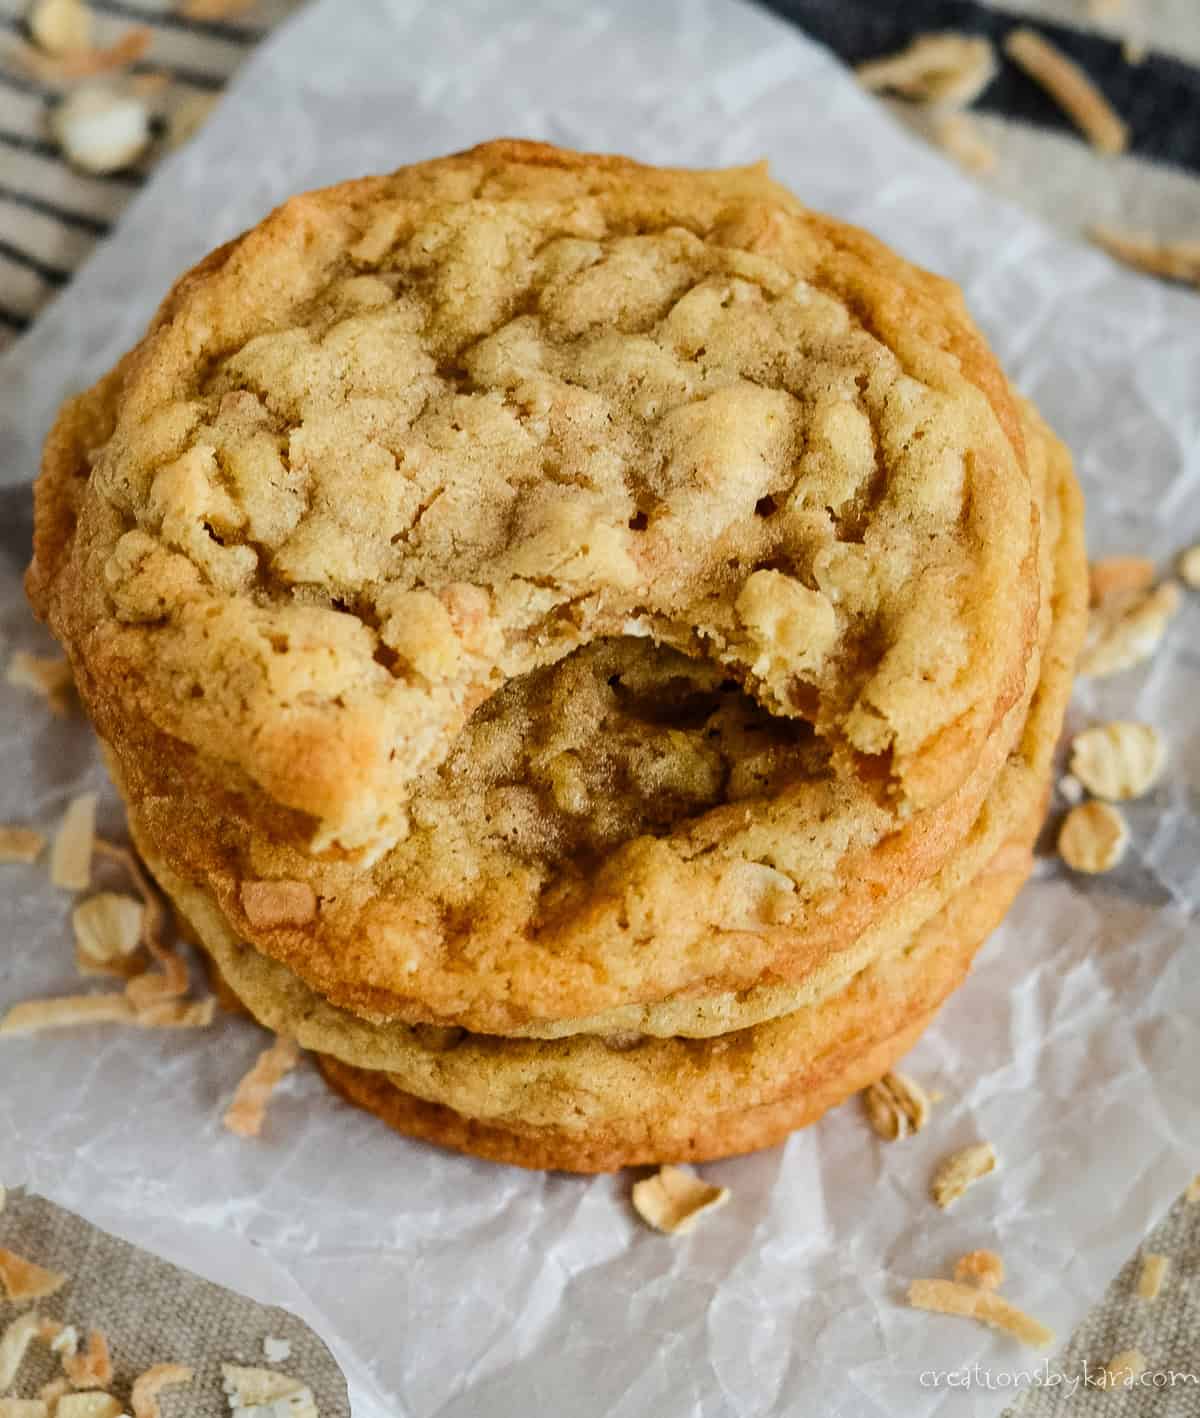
(582, 645)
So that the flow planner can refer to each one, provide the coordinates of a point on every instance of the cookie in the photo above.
(592, 1103)
(841, 1047)
(415, 441)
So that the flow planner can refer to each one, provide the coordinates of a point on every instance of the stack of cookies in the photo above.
(582, 644)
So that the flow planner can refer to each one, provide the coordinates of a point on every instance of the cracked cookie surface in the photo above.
(416, 440)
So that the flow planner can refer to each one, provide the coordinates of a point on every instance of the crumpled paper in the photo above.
(451, 1287)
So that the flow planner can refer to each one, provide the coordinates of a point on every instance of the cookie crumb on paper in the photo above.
(674, 1199)
(961, 1170)
(948, 1297)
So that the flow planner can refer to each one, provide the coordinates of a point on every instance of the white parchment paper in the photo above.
(453, 1287)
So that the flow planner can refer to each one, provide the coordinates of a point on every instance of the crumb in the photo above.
(92, 1368)
(108, 926)
(674, 1199)
(1093, 838)
(1111, 574)
(254, 1391)
(276, 1351)
(85, 63)
(1189, 568)
(896, 1105)
(23, 1408)
(982, 1268)
(1070, 88)
(60, 26)
(1119, 760)
(87, 1405)
(23, 1280)
(64, 1012)
(246, 1114)
(957, 135)
(213, 9)
(1125, 630)
(948, 1297)
(949, 70)
(1152, 1275)
(14, 1342)
(1125, 1368)
(49, 676)
(100, 130)
(960, 1170)
(147, 1387)
(1172, 260)
(20, 844)
(71, 852)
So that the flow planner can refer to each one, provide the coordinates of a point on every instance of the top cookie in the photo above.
(417, 435)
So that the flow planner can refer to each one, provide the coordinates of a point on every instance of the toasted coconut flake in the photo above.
(246, 1114)
(957, 135)
(1127, 629)
(71, 853)
(896, 1105)
(23, 1408)
(1189, 568)
(1113, 574)
(100, 130)
(179, 1014)
(674, 1199)
(147, 1387)
(20, 844)
(1172, 260)
(984, 1269)
(1192, 1195)
(269, 904)
(1119, 760)
(85, 63)
(255, 1391)
(48, 676)
(961, 1170)
(108, 926)
(62, 1338)
(949, 70)
(213, 9)
(1152, 1275)
(23, 1280)
(15, 1340)
(87, 1405)
(1093, 838)
(188, 116)
(948, 1297)
(60, 26)
(152, 987)
(1070, 88)
(35, 1016)
(1124, 1369)
(92, 1368)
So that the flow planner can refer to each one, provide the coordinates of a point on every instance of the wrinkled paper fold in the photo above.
(447, 1286)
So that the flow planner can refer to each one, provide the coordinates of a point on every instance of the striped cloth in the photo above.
(51, 216)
